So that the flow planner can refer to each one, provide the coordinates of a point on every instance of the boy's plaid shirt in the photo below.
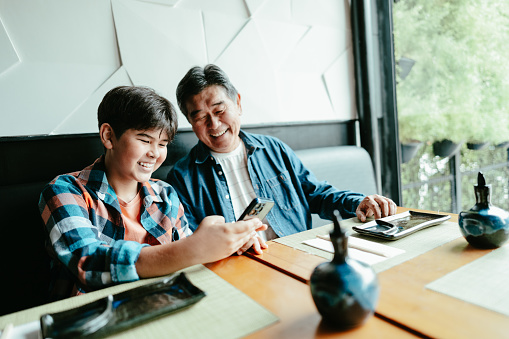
(84, 223)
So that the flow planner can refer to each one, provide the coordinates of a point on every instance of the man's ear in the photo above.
(107, 135)
(239, 104)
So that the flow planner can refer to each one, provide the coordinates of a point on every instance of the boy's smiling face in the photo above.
(132, 158)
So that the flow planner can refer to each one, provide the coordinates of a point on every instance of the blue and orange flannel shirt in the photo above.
(85, 228)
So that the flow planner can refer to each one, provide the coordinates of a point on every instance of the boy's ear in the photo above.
(106, 133)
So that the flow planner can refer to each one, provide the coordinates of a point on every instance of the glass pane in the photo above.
(452, 84)
(426, 182)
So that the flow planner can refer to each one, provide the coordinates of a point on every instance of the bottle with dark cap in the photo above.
(484, 225)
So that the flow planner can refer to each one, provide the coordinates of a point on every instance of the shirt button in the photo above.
(211, 158)
(220, 173)
(227, 196)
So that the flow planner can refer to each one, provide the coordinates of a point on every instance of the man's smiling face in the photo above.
(215, 118)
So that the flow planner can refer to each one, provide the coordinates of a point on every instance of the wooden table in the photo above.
(290, 300)
(404, 300)
(277, 280)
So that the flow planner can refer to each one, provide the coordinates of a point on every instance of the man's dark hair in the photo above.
(139, 108)
(199, 78)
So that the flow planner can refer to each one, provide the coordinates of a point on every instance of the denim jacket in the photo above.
(276, 173)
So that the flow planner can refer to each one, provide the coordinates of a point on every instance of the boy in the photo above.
(111, 223)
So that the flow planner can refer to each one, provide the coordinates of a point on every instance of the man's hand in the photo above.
(377, 206)
(256, 243)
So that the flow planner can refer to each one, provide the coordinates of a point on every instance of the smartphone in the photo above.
(258, 208)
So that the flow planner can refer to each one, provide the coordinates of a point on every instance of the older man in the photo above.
(229, 167)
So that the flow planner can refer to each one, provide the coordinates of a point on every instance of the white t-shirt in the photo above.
(234, 165)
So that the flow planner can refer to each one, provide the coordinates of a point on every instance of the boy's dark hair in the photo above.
(199, 78)
(139, 108)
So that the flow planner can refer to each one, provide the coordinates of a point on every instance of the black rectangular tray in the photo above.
(401, 227)
(124, 310)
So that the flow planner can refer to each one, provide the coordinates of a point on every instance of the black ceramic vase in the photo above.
(345, 291)
(484, 225)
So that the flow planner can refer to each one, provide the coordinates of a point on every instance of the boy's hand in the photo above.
(256, 243)
(216, 240)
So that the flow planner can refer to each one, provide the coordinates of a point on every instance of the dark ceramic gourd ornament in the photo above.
(484, 225)
(345, 290)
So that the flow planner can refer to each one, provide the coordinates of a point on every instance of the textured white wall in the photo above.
(291, 60)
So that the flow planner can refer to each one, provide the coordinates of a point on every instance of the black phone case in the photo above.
(259, 207)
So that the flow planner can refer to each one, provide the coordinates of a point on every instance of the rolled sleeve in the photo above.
(123, 260)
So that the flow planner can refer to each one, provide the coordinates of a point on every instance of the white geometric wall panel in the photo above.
(163, 2)
(317, 50)
(84, 118)
(275, 10)
(304, 92)
(220, 30)
(331, 13)
(339, 78)
(67, 50)
(227, 7)
(281, 45)
(253, 5)
(291, 60)
(158, 44)
(248, 65)
(9, 57)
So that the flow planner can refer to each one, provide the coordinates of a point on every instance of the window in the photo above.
(452, 84)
